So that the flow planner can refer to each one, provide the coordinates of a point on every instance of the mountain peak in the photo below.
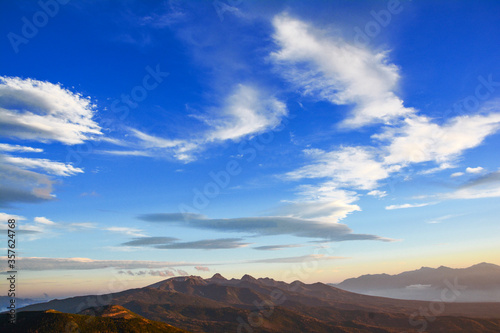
(248, 278)
(217, 276)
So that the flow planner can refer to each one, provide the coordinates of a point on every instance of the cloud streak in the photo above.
(171, 243)
(264, 226)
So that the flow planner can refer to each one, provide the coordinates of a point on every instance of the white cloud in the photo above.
(441, 219)
(45, 112)
(246, 112)
(354, 167)
(5, 217)
(474, 170)
(126, 231)
(55, 168)
(456, 174)
(377, 193)
(44, 220)
(125, 152)
(329, 68)
(149, 141)
(391, 207)
(420, 140)
(18, 148)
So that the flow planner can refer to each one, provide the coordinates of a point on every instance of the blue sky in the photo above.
(313, 141)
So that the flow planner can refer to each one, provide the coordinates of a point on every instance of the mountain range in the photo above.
(266, 305)
(478, 283)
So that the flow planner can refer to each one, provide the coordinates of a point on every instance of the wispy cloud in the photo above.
(377, 193)
(420, 140)
(44, 220)
(44, 112)
(126, 231)
(441, 219)
(46, 264)
(149, 241)
(206, 244)
(276, 247)
(163, 273)
(487, 186)
(245, 112)
(18, 148)
(265, 226)
(51, 167)
(407, 205)
(202, 269)
(290, 260)
(354, 167)
(19, 185)
(173, 243)
(328, 68)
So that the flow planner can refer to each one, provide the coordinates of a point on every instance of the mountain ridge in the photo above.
(481, 283)
(266, 305)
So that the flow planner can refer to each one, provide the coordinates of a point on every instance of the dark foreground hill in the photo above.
(109, 319)
(480, 283)
(265, 305)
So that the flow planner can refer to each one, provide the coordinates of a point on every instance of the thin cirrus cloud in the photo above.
(407, 205)
(245, 112)
(291, 260)
(264, 226)
(173, 243)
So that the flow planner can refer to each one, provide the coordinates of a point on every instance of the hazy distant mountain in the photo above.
(266, 305)
(20, 302)
(108, 319)
(481, 283)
